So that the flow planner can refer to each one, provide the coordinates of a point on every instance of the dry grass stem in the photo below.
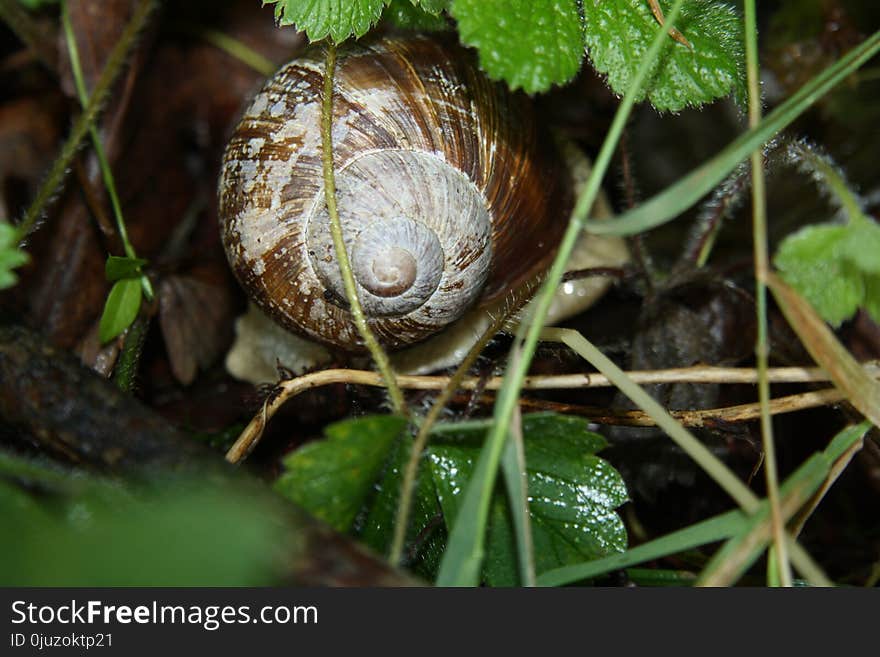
(700, 374)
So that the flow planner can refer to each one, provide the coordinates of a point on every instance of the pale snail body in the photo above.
(448, 193)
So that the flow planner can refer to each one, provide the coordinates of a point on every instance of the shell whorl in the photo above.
(431, 160)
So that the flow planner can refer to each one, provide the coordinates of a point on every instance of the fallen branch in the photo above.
(47, 395)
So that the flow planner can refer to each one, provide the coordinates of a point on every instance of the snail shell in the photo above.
(448, 192)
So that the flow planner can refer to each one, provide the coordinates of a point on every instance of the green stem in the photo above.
(236, 49)
(125, 372)
(103, 163)
(831, 177)
(81, 127)
(357, 312)
(762, 265)
(464, 553)
(407, 489)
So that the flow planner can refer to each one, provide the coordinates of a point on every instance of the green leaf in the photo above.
(531, 44)
(332, 478)
(98, 533)
(836, 268)
(708, 531)
(426, 537)
(432, 6)
(619, 32)
(572, 493)
(810, 261)
(338, 19)
(121, 309)
(118, 267)
(862, 244)
(11, 256)
(406, 14)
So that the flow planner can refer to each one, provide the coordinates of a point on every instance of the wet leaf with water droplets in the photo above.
(573, 495)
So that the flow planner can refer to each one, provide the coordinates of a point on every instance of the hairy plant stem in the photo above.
(125, 372)
(762, 265)
(81, 127)
(677, 198)
(100, 154)
(357, 312)
(407, 489)
(831, 177)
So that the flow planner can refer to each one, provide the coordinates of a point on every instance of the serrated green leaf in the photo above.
(11, 256)
(407, 15)
(531, 44)
(810, 261)
(572, 493)
(119, 267)
(338, 19)
(332, 478)
(619, 32)
(121, 309)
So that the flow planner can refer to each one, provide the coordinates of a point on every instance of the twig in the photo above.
(291, 388)
(673, 32)
(703, 418)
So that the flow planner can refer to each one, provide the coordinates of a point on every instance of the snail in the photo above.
(449, 195)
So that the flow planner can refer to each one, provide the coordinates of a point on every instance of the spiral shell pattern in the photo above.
(447, 194)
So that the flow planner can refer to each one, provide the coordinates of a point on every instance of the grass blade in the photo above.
(679, 197)
(464, 552)
(714, 529)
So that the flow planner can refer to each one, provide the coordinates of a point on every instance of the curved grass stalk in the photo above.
(100, 154)
(357, 312)
(744, 497)
(81, 127)
(677, 198)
